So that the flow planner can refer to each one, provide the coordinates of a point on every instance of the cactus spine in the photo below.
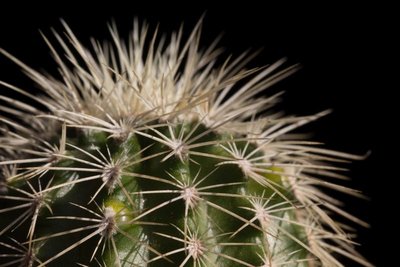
(157, 157)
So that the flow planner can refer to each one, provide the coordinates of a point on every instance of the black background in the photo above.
(340, 50)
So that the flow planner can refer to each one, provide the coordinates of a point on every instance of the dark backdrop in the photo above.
(336, 47)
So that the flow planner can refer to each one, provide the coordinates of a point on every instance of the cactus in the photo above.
(147, 153)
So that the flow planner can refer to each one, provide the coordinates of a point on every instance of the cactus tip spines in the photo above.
(148, 156)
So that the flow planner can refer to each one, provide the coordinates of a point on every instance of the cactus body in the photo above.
(158, 158)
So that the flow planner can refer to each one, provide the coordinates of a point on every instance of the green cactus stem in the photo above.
(146, 154)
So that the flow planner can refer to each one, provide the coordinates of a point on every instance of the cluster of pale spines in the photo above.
(147, 84)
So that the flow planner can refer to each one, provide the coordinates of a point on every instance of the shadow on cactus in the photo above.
(146, 153)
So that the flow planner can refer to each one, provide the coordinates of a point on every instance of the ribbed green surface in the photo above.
(165, 212)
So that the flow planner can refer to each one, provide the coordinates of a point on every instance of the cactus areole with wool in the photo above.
(149, 153)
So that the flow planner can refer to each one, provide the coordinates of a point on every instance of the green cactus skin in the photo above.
(158, 158)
